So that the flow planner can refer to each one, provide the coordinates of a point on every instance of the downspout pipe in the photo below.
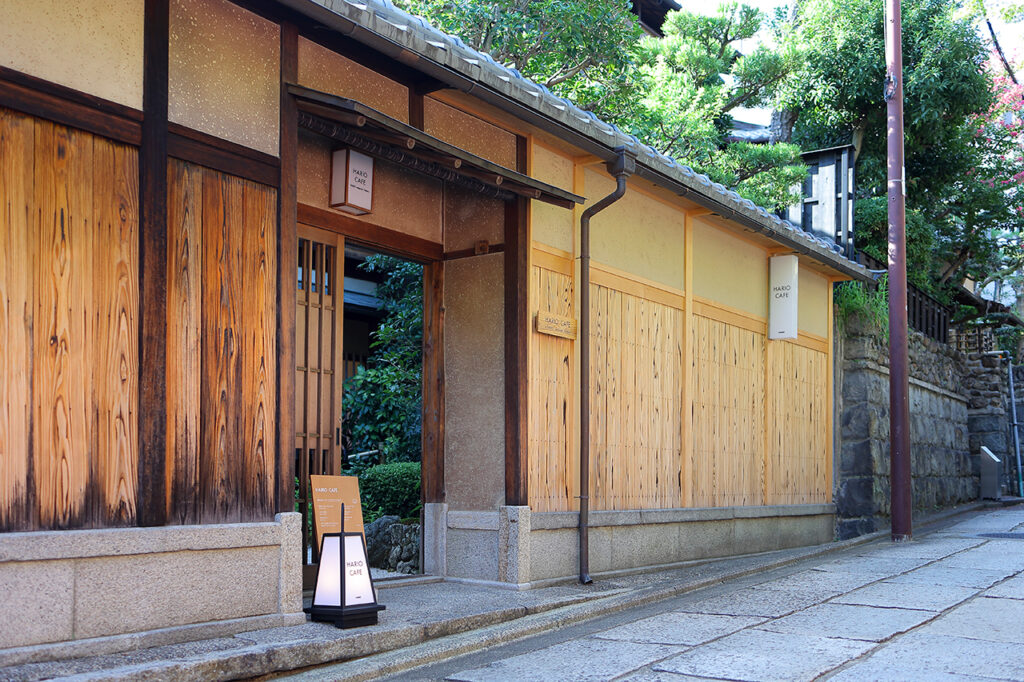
(621, 167)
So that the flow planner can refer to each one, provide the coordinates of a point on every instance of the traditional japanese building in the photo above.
(167, 381)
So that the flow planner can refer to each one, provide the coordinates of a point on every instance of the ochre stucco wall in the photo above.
(469, 133)
(636, 233)
(402, 201)
(94, 46)
(474, 349)
(552, 225)
(729, 270)
(812, 302)
(469, 218)
(224, 72)
(321, 69)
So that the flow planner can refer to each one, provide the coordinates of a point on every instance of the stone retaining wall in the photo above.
(956, 405)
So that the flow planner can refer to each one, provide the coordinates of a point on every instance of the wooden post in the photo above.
(287, 245)
(517, 339)
(152, 415)
(433, 382)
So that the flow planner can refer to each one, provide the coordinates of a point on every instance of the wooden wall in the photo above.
(69, 296)
(221, 346)
(760, 432)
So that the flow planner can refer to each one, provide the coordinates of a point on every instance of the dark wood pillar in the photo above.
(287, 249)
(152, 415)
(433, 382)
(517, 341)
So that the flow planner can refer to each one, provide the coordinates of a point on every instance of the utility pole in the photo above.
(900, 499)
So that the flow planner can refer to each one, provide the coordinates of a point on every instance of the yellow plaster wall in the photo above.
(470, 217)
(94, 46)
(469, 133)
(728, 270)
(224, 72)
(636, 234)
(402, 201)
(321, 69)
(552, 225)
(812, 302)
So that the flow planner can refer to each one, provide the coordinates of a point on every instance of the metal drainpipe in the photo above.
(621, 167)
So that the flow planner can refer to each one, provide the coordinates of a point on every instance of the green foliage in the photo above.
(694, 77)
(866, 302)
(960, 162)
(392, 488)
(382, 401)
(582, 50)
(675, 94)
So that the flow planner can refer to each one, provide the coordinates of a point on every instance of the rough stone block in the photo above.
(851, 528)
(855, 497)
(38, 602)
(855, 458)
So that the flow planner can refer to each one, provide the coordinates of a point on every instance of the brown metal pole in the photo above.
(622, 167)
(901, 497)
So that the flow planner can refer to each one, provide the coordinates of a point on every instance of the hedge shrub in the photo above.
(392, 488)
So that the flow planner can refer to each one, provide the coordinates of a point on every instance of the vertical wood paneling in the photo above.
(259, 275)
(60, 436)
(184, 370)
(554, 467)
(16, 316)
(115, 287)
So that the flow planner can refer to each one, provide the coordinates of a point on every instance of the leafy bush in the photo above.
(871, 305)
(382, 401)
(390, 489)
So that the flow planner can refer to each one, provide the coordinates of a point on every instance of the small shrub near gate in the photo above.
(391, 489)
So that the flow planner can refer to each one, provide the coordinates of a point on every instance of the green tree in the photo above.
(382, 401)
(695, 77)
(675, 94)
(580, 49)
(956, 174)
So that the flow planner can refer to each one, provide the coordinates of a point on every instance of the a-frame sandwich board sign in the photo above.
(344, 592)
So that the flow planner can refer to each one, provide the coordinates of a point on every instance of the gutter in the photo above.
(621, 168)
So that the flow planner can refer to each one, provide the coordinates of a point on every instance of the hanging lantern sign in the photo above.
(351, 181)
(783, 275)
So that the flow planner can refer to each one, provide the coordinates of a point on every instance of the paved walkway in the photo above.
(781, 615)
(948, 606)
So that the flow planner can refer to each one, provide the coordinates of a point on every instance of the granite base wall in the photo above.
(957, 404)
(92, 592)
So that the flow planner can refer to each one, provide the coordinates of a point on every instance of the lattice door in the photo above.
(318, 384)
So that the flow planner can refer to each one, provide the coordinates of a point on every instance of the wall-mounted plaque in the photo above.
(784, 273)
(556, 325)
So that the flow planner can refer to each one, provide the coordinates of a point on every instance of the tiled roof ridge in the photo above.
(385, 19)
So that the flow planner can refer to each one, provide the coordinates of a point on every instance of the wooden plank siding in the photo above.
(69, 298)
(221, 347)
(754, 433)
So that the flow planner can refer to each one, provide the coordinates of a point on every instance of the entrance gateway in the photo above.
(434, 203)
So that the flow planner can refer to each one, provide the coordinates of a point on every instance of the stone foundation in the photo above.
(88, 592)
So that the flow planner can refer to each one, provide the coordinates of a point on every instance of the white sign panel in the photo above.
(358, 588)
(782, 290)
(351, 181)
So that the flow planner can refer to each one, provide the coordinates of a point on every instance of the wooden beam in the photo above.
(287, 249)
(52, 102)
(152, 414)
(380, 238)
(221, 155)
(416, 108)
(433, 383)
(518, 243)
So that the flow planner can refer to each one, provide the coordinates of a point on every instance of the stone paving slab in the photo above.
(939, 574)
(928, 548)
(1006, 556)
(879, 566)
(847, 621)
(1013, 588)
(754, 601)
(680, 628)
(761, 656)
(908, 596)
(827, 583)
(987, 618)
(661, 676)
(871, 671)
(931, 655)
(585, 659)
